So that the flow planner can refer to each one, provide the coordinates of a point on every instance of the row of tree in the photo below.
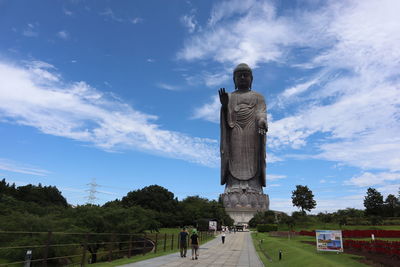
(377, 211)
(153, 206)
(375, 205)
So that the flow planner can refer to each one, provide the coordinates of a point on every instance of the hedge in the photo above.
(267, 227)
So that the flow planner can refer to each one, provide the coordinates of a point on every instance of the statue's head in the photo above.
(242, 76)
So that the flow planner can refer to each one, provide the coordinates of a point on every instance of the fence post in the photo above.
(155, 245)
(46, 249)
(165, 241)
(130, 246)
(172, 241)
(112, 238)
(83, 260)
(179, 241)
(144, 244)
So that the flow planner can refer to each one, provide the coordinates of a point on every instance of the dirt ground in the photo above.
(376, 260)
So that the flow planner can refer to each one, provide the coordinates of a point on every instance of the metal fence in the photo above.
(78, 249)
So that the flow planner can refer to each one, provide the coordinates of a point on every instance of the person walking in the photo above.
(194, 238)
(183, 241)
(223, 236)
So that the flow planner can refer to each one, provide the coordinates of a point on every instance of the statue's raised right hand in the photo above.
(223, 97)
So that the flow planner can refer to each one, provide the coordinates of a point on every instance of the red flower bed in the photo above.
(361, 233)
(368, 233)
(378, 246)
(309, 233)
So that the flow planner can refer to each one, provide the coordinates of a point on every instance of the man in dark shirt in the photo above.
(195, 244)
(183, 242)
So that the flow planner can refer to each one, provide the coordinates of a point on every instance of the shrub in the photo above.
(267, 227)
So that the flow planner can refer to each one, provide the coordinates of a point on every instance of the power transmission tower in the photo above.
(92, 191)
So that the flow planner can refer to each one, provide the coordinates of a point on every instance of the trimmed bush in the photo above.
(267, 227)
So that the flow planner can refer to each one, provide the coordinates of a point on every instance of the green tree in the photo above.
(373, 202)
(391, 205)
(303, 198)
(152, 197)
(267, 217)
(325, 217)
(192, 209)
(43, 195)
(7, 189)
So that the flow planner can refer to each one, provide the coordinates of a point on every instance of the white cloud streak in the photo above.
(273, 177)
(373, 179)
(109, 13)
(136, 20)
(168, 87)
(63, 35)
(36, 96)
(30, 31)
(209, 111)
(189, 22)
(12, 166)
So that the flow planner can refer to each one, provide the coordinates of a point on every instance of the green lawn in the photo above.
(334, 226)
(2, 261)
(296, 253)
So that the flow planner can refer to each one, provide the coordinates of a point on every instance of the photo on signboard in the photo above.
(329, 240)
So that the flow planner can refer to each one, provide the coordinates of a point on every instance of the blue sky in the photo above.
(125, 92)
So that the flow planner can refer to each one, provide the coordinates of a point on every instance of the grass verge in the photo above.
(296, 253)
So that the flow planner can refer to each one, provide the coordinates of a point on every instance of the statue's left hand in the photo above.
(262, 126)
(262, 123)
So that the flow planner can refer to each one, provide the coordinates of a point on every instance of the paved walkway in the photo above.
(238, 250)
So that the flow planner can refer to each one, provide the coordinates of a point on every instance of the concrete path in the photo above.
(238, 250)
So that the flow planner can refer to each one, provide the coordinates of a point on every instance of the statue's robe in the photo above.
(242, 146)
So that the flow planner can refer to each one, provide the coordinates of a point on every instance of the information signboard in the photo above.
(329, 240)
(212, 225)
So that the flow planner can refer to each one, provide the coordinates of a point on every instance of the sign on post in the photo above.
(212, 225)
(329, 240)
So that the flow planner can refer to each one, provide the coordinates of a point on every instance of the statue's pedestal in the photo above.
(241, 207)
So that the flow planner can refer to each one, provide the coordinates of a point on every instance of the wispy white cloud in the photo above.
(37, 96)
(136, 20)
(189, 21)
(30, 31)
(210, 79)
(209, 111)
(67, 12)
(271, 157)
(274, 185)
(63, 35)
(12, 166)
(389, 189)
(226, 9)
(109, 13)
(273, 177)
(257, 35)
(373, 179)
(168, 87)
